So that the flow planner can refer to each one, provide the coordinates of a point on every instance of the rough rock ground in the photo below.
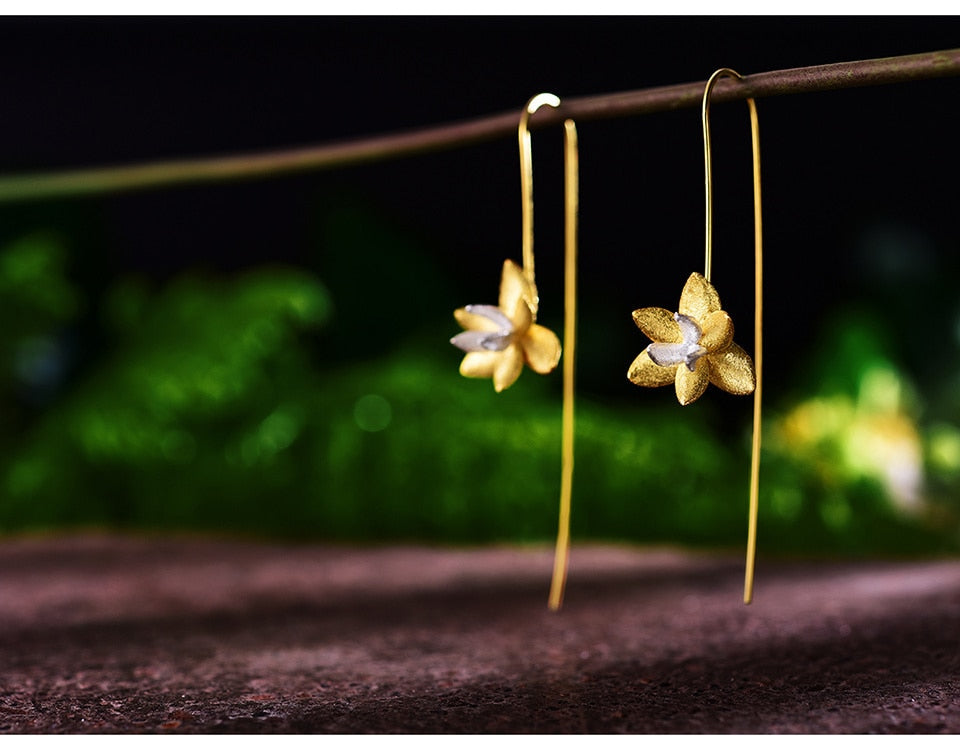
(124, 634)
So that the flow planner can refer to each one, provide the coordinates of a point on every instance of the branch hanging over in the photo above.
(38, 186)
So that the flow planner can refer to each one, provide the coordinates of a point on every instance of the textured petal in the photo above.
(515, 286)
(675, 354)
(691, 385)
(521, 318)
(479, 364)
(470, 341)
(717, 331)
(508, 367)
(541, 349)
(732, 370)
(698, 298)
(645, 372)
(665, 355)
(688, 329)
(658, 325)
(492, 313)
(471, 321)
(481, 341)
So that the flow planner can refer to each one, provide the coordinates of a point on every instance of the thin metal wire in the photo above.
(571, 206)
(758, 304)
(757, 358)
(526, 181)
(708, 181)
(571, 190)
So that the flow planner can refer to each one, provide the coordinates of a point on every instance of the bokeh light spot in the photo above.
(835, 513)
(278, 431)
(944, 448)
(786, 502)
(372, 413)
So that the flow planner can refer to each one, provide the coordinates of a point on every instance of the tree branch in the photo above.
(37, 186)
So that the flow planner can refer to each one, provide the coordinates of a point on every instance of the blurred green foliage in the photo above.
(36, 299)
(254, 404)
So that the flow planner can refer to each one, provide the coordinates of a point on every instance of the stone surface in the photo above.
(124, 634)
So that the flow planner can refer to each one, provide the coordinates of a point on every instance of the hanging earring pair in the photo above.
(499, 339)
(694, 346)
(690, 348)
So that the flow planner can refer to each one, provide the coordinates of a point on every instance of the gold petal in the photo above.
(521, 318)
(698, 298)
(514, 286)
(658, 325)
(647, 373)
(508, 367)
(473, 322)
(541, 349)
(717, 332)
(733, 371)
(479, 364)
(691, 385)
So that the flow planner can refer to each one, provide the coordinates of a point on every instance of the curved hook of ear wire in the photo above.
(758, 306)
(526, 185)
(571, 193)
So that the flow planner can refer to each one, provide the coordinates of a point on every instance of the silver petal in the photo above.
(471, 341)
(496, 342)
(694, 352)
(667, 354)
(481, 341)
(688, 328)
(492, 313)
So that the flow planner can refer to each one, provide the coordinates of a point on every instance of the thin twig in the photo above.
(36, 186)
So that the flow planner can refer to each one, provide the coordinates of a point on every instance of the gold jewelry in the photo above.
(499, 339)
(694, 346)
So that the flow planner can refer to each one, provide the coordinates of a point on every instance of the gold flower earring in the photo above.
(694, 346)
(499, 339)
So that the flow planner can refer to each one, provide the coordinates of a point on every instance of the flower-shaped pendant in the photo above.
(692, 347)
(498, 340)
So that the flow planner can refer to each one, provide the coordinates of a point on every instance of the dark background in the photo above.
(839, 167)
(196, 401)
(860, 187)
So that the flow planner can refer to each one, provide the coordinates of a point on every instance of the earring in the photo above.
(694, 346)
(500, 339)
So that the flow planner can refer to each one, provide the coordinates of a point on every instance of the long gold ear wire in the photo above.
(571, 193)
(571, 183)
(758, 305)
